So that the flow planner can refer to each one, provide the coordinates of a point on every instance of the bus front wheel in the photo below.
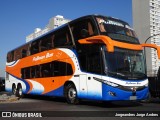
(71, 94)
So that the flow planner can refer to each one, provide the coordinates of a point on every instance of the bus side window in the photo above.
(17, 54)
(35, 72)
(55, 65)
(54, 68)
(62, 37)
(90, 29)
(46, 43)
(89, 57)
(62, 68)
(69, 70)
(79, 27)
(10, 56)
(43, 46)
(83, 60)
(24, 53)
(93, 63)
(34, 47)
(101, 24)
(23, 73)
(68, 38)
(26, 73)
(46, 70)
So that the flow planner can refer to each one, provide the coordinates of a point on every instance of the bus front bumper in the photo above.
(112, 93)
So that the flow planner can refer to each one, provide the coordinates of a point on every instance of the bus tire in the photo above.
(19, 91)
(71, 94)
(14, 90)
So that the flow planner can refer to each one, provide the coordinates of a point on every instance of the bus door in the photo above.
(94, 71)
(94, 87)
(82, 85)
(91, 64)
(89, 86)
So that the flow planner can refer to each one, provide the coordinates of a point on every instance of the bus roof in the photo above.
(53, 30)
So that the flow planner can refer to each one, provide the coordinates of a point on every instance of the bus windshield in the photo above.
(125, 64)
(117, 30)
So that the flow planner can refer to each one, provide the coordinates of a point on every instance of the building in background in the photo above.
(53, 23)
(146, 23)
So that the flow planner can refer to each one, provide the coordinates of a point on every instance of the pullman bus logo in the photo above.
(48, 55)
(134, 89)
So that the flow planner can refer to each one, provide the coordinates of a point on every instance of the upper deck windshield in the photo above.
(125, 64)
(116, 30)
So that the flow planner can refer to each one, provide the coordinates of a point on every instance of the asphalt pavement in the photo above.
(54, 108)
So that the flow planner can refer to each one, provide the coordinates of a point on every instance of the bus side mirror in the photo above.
(153, 46)
(100, 39)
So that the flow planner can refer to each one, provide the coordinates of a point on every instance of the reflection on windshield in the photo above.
(116, 29)
(125, 64)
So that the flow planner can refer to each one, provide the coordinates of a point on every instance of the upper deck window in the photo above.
(82, 29)
(116, 30)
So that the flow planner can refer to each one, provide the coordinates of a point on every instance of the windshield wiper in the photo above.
(116, 73)
(120, 74)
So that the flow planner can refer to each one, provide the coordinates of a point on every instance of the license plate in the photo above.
(133, 98)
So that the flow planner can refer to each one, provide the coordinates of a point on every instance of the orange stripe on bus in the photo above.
(49, 83)
(52, 83)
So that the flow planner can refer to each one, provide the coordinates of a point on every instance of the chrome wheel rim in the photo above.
(72, 93)
(20, 91)
(14, 91)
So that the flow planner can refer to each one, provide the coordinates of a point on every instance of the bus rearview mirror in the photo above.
(153, 46)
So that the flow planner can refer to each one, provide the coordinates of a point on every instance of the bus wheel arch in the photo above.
(70, 93)
(19, 90)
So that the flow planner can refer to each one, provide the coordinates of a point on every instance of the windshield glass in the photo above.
(125, 64)
(117, 30)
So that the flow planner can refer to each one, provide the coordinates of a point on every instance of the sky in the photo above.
(19, 18)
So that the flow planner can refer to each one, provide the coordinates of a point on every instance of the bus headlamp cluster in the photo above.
(146, 85)
(110, 83)
(106, 82)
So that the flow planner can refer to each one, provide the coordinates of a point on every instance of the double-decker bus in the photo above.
(93, 57)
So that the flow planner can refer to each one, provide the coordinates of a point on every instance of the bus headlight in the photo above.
(146, 85)
(110, 83)
(106, 82)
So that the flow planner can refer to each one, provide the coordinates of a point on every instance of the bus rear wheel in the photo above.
(71, 94)
(14, 90)
(19, 91)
